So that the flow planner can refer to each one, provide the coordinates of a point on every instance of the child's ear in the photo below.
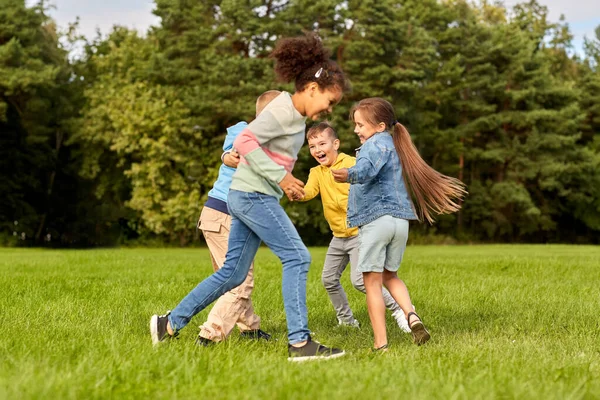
(312, 88)
(336, 144)
(381, 127)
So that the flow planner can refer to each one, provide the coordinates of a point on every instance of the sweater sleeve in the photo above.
(248, 144)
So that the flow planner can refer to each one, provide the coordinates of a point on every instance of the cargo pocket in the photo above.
(210, 226)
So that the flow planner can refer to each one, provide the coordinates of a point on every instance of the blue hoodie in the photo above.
(220, 188)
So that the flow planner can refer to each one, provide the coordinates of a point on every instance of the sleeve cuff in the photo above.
(224, 154)
(283, 174)
(350, 175)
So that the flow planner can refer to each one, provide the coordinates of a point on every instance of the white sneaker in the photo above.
(353, 324)
(401, 320)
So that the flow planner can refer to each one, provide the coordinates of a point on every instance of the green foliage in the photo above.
(490, 95)
(36, 105)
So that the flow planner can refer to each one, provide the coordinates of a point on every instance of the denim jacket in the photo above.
(376, 184)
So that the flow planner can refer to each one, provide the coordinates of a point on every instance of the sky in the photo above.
(582, 15)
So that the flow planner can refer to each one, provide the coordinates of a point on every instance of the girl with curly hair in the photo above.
(268, 149)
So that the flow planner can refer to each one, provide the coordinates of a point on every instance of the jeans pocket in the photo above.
(241, 202)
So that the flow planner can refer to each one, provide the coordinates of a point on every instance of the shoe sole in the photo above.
(154, 330)
(420, 334)
(312, 358)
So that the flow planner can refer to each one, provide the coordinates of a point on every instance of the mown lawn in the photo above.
(506, 322)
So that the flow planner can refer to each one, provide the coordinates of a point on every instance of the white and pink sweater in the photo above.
(269, 147)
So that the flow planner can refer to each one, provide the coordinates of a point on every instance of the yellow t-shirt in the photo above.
(334, 195)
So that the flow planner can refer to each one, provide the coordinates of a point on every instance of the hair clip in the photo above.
(319, 72)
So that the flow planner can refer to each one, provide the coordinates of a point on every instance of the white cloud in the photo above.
(582, 16)
(573, 10)
(103, 15)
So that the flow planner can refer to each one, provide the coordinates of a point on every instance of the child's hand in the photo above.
(231, 159)
(340, 175)
(292, 187)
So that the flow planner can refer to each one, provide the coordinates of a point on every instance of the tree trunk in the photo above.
(59, 139)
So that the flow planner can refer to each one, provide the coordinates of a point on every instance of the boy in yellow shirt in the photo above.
(323, 143)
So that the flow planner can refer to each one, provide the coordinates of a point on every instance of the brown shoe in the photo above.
(419, 332)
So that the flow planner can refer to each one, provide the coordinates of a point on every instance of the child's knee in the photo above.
(305, 256)
(329, 281)
(237, 280)
(237, 277)
(388, 275)
(359, 285)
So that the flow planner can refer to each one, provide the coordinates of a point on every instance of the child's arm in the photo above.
(312, 187)
(230, 157)
(229, 138)
(368, 164)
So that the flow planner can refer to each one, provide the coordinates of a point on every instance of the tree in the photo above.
(35, 110)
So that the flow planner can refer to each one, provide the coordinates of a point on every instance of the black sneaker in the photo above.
(313, 351)
(256, 334)
(204, 342)
(158, 328)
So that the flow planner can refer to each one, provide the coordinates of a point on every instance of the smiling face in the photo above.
(363, 128)
(324, 148)
(320, 102)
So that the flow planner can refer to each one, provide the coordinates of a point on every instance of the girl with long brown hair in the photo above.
(388, 172)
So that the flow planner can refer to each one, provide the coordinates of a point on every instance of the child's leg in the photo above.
(394, 253)
(357, 277)
(376, 307)
(398, 290)
(247, 318)
(270, 223)
(373, 239)
(243, 245)
(235, 305)
(336, 260)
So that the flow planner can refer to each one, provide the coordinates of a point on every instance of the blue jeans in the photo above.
(256, 217)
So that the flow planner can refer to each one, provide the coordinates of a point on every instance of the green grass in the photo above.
(506, 322)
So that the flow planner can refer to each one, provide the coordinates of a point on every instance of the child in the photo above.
(268, 147)
(235, 306)
(380, 205)
(323, 144)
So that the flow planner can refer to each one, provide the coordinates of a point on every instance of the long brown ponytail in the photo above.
(433, 192)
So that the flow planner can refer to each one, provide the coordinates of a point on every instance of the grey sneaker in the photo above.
(352, 323)
(313, 351)
(158, 328)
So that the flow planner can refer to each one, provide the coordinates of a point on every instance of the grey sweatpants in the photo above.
(340, 251)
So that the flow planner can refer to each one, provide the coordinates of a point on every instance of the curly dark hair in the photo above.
(304, 59)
